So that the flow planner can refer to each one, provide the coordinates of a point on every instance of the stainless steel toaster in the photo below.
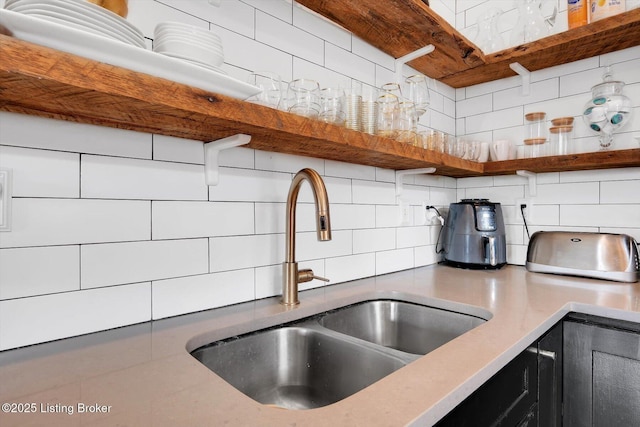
(597, 255)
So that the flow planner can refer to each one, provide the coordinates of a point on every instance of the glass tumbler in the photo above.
(331, 106)
(303, 96)
(271, 88)
(387, 115)
(406, 123)
(418, 93)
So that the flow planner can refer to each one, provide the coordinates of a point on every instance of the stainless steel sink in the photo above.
(320, 360)
(407, 327)
(296, 367)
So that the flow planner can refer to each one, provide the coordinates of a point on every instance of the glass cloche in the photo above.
(608, 110)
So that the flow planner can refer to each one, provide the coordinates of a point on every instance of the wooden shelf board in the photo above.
(398, 27)
(44, 82)
(572, 162)
(41, 81)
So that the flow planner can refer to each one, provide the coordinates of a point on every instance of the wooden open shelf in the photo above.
(399, 27)
(45, 82)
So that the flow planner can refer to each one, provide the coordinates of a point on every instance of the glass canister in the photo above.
(535, 147)
(608, 110)
(561, 137)
(536, 126)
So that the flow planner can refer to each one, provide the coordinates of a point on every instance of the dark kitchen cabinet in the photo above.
(525, 393)
(601, 372)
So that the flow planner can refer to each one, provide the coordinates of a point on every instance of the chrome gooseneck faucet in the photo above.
(293, 276)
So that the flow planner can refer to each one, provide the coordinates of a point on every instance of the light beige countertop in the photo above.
(143, 375)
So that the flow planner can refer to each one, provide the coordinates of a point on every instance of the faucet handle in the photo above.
(306, 275)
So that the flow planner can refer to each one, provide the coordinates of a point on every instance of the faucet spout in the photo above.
(292, 276)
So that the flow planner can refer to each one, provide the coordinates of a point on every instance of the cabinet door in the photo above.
(506, 399)
(601, 376)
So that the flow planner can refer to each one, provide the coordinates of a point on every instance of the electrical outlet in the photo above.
(527, 211)
(405, 212)
(424, 215)
(5, 199)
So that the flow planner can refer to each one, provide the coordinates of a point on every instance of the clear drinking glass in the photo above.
(418, 93)
(406, 123)
(271, 86)
(387, 115)
(331, 106)
(303, 97)
(394, 89)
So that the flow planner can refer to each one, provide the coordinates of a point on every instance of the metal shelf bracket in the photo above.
(399, 62)
(533, 181)
(211, 153)
(525, 74)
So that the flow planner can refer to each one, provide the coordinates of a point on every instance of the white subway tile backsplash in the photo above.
(268, 281)
(495, 120)
(620, 192)
(26, 272)
(352, 217)
(476, 105)
(42, 222)
(42, 173)
(250, 54)
(281, 162)
(373, 54)
(320, 26)
(345, 268)
(174, 149)
(118, 263)
(238, 252)
(368, 192)
(180, 220)
(374, 240)
(540, 91)
(627, 216)
(205, 247)
(118, 178)
(409, 237)
(395, 260)
(309, 248)
(600, 175)
(574, 193)
(49, 134)
(348, 170)
(173, 297)
(250, 186)
(38, 319)
(145, 15)
(297, 42)
(345, 62)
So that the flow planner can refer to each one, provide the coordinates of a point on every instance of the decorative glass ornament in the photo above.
(608, 110)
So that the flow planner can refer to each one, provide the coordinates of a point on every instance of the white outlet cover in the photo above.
(5, 199)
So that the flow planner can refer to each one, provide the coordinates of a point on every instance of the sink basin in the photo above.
(296, 367)
(407, 327)
(317, 361)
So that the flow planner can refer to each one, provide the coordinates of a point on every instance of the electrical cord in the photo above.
(526, 227)
(441, 219)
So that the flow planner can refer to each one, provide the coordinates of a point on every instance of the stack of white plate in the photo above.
(81, 15)
(189, 43)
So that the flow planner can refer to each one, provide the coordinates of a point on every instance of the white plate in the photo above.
(85, 8)
(194, 61)
(59, 15)
(112, 52)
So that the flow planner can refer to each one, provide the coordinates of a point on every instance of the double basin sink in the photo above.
(319, 360)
